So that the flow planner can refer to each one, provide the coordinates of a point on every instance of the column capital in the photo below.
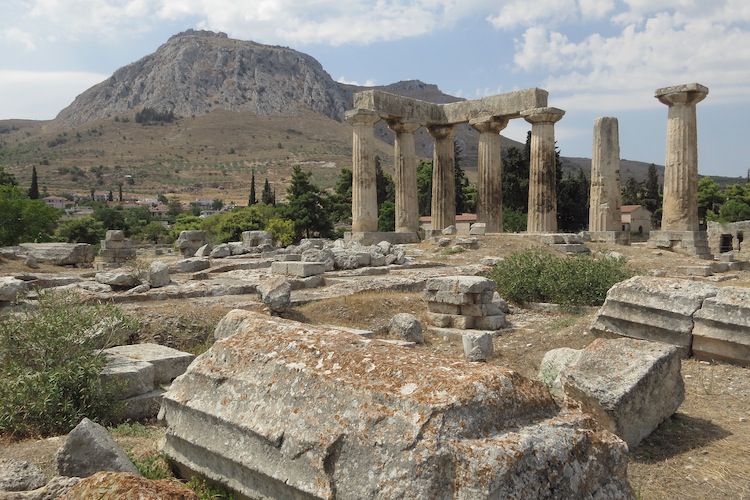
(362, 117)
(489, 124)
(439, 132)
(691, 93)
(399, 126)
(542, 115)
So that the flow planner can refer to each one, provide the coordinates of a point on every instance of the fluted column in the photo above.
(443, 210)
(604, 208)
(407, 203)
(364, 191)
(680, 212)
(490, 167)
(542, 217)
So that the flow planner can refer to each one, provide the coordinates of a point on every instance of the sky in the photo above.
(594, 57)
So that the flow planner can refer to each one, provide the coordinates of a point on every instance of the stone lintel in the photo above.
(364, 116)
(508, 105)
(677, 89)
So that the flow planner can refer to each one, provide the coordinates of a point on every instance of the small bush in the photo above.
(538, 276)
(208, 491)
(50, 361)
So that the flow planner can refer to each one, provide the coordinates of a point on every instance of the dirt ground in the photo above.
(700, 452)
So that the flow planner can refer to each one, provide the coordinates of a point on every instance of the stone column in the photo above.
(542, 217)
(364, 191)
(604, 210)
(443, 210)
(490, 167)
(680, 212)
(407, 203)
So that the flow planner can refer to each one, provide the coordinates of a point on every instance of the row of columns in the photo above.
(542, 197)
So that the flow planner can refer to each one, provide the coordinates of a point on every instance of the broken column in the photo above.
(443, 211)
(364, 192)
(115, 250)
(542, 214)
(463, 302)
(489, 184)
(407, 202)
(679, 223)
(189, 242)
(605, 222)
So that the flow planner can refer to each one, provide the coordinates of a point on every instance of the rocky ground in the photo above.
(698, 453)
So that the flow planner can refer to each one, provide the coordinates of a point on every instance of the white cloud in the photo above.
(20, 37)
(524, 13)
(368, 83)
(41, 95)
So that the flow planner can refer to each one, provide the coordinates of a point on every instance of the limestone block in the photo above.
(256, 238)
(221, 251)
(486, 309)
(320, 255)
(552, 239)
(191, 265)
(552, 366)
(450, 230)
(158, 274)
(494, 322)
(443, 308)
(368, 419)
(440, 320)
(630, 386)
(448, 297)
(722, 327)
(462, 284)
(385, 247)
(203, 251)
(143, 288)
(125, 278)
(60, 254)
(135, 377)
(462, 322)
(363, 259)
(89, 449)
(168, 363)
(19, 475)
(114, 235)
(478, 229)
(470, 243)
(276, 293)
(112, 244)
(406, 326)
(694, 270)
(478, 346)
(719, 267)
(377, 260)
(237, 248)
(301, 269)
(141, 407)
(651, 308)
(11, 288)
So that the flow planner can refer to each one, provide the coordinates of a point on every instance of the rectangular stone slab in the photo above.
(722, 327)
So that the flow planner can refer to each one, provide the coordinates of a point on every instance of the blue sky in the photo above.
(595, 57)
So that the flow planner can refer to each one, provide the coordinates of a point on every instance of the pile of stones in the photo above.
(463, 302)
(115, 250)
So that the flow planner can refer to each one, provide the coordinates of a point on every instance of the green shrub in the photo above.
(208, 491)
(50, 361)
(153, 466)
(539, 276)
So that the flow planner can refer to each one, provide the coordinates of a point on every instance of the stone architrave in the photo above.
(542, 216)
(407, 203)
(604, 211)
(443, 210)
(364, 192)
(680, 211)
(490, 166)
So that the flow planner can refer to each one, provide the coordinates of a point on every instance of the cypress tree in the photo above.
(34, 189)
(252, 200)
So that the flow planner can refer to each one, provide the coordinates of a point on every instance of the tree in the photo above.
(174, 207)
(573, 203)
(386, 189)
(217, 204)
(306, 206)
(652, 200)
(23, 219)
(734, 211)
(81, 230)
(110, 217)
(424, 187)
(461, 181)
(516, 180)
(632, 192)
(119, 192)
(709, 197)
(230, 226)
(340, 201)
(7, 179)
(387, 217)
(267, 196)
(34, 189)
(252, 200)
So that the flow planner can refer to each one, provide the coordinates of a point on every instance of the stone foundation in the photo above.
(692, 243)
(375, 237)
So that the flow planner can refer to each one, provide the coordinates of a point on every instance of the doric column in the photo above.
(490, 167)
(542, 217)
(407, 203)
(443, 210)
(364, 191)
(604, 209)
(680, 212)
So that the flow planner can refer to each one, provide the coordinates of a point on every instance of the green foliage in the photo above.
(150, 116)
(307, 206)
(516, 179)
(81, 230)
(387, 217)
(733, 211)
(252, 200)
(50, 361)
(184, 222)
(573, 203)
(282, 231)
(267, 196)
(208, 491)
(34, 189)
(153, 466)
(385, 187)
(514, 221)
(424, 187)
(340, 201)
(110, 217)
(154, 232)
(7, 179)
(23, 219)
(230, 226)
(539, 276)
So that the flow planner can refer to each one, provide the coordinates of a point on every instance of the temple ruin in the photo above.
(488, 116)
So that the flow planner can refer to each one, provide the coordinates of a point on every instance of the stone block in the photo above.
(650, 308)
(141, 407)
(114, 235)
(123, 278)
(460, 284)
(440, 320)
(203, 251)
(168, 363)
(462, 322)
(300, 269)
(20, 476)
(11, 288)
(406, 327)
(135, 377)
(486, 309)
(89, 449)
(478, 229)
(276, 293)
(494, 322)
(368, 419)
(470, 243)
(60, 254)
(158, 274)
(552, 366)
(478, 346)
(221, 251)
(722, 327)
(694, 270)
(446, 297)
(630, 386)
(443, 308)
(191, 265)
(719, 267)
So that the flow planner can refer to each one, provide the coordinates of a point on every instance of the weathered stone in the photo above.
(460, 284)
(552, 366)
(470, 243)
(450, 229)
(301, 269)
(651, 308)
(221, 251)
(123, 278)
(89, 449)
(478, 346)
(320, 255)
(443, 308)
(447, 297)
(367, 419)
(604, 211)
(191, 265)
(479, 229)
(60, 254)
(129, 486)
(237, 248)
(407, 327)
(11, 288)
(190, 241)
(19, 475)
(630, 386)
(440, 320)
(143, 288)
(158, 274)
(722, 327)
(31, 262)
(494, 322)
(486, 309)
(276, 293)
(168, 363)
(694, 271)
(141, 407)
(115, 235)
(203, 251)
(133, 376)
